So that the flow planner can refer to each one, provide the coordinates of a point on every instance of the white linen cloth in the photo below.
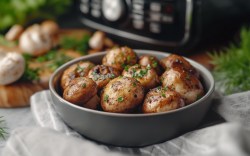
(225, 139)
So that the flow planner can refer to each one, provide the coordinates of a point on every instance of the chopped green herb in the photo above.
(158, 88)
(143, 72)
(80, 45)
(51, 55)
(29, 73)
(79, 69)
(165, 88)
(59, 60)
(128, 58)
(106, 97)
(95, 78)
(163, 95)
(148, 67)
(134, 84)
(6, 43)
(112, 76)
(123, 65)
(126, 68)
(84, 85)
(154, 64)
(120, 99)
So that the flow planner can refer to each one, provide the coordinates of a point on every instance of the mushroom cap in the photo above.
(12, 67)
(34, 42)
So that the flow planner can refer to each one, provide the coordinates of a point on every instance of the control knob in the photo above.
(113, 10)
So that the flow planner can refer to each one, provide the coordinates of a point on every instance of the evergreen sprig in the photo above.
(232, 66)
(2, 128)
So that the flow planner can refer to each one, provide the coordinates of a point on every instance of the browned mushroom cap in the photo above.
(102, 74)
(80, 69)
(174, 60)
(183, 82)
(119, 57)
(147, 76)
(14, 32)
(162, 99)
(50, 27)
(80, 90)
(122, 95)
(146, 60)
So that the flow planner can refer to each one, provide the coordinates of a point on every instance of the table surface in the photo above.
(18, 117)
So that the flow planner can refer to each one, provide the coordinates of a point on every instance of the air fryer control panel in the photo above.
(159, 22)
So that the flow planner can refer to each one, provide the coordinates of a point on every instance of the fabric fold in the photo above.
(225, 139)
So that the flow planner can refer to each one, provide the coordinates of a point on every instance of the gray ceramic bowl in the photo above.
(131, 129)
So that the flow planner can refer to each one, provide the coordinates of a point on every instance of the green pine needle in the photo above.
(2, 128)
(232, 66)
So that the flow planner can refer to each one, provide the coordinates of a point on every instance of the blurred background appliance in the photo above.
(165, 24)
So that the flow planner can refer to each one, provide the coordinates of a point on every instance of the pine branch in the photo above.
(232, 66)
(2, 128)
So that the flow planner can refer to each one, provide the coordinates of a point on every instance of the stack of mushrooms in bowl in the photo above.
(129, 97)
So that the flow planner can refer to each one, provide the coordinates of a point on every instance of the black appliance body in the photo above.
(164, 24)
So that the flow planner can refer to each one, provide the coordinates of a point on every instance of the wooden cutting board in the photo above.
(18, 94)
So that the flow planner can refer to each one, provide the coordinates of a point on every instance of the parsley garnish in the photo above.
(79, 69)
(80, 45)
(7, 43)
(106, 97)
(29, 73)
(128, 58)
(84, 85)
(120, 99)
(126, 68)
(134, 84)
(163, 94)
(154, 64)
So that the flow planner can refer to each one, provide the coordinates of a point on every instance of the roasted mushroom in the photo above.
(102, 74)
(82, 91)
(146, 60)
(174, 60)
(119, 58)
(80, 69)
(183, 82)
(147, 76)
(122, 95)
(162, 99)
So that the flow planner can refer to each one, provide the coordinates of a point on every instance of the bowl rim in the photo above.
(197, 65)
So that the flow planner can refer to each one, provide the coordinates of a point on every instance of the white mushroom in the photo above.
(12, 67)
(33, 41)
(14, 32)
(97, 40)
